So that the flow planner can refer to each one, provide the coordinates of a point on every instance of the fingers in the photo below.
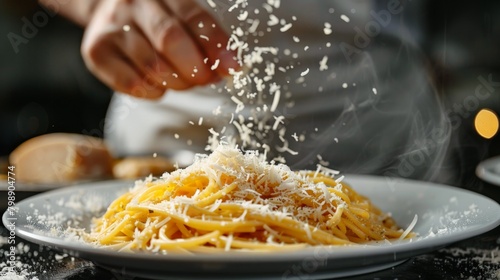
(128, 64)
(107, 58)
(166, 44)
(171, 39)
(155, 70)
(208, 34)
(105, 61)
(124, 59)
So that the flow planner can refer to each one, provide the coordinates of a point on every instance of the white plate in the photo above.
(489, 170)
(445, 215)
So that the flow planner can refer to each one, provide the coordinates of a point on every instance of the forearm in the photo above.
(78, 11)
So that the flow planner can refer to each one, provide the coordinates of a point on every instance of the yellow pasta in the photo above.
(231, 200)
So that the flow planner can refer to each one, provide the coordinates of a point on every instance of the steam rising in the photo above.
(400, 131)
(371, 111)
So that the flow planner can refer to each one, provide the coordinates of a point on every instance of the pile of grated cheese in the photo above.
(264, 188)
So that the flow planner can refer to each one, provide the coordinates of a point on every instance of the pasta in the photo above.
(231, 200)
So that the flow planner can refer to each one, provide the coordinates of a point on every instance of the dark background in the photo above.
(45, 87)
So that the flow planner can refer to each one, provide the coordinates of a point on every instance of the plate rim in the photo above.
(401, 251)
(483, 172)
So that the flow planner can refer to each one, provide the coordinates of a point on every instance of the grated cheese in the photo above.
(409, 228)
(286, 27)
(243, 15)
(212, 4)
(345, 18)
(277, 121)
(323, 64)
(273, 20)
(327, 29)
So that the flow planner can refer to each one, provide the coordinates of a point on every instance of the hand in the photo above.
(143, 47)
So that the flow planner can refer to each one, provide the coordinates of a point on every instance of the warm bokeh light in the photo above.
(486, 123)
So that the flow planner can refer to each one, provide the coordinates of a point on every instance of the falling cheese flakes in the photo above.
(345, 18)
(323, 64)
(327, 29)
(250, 87)
(212, 4)
(273, 20)
(215, 65)
(286, 27)
(243, 15)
